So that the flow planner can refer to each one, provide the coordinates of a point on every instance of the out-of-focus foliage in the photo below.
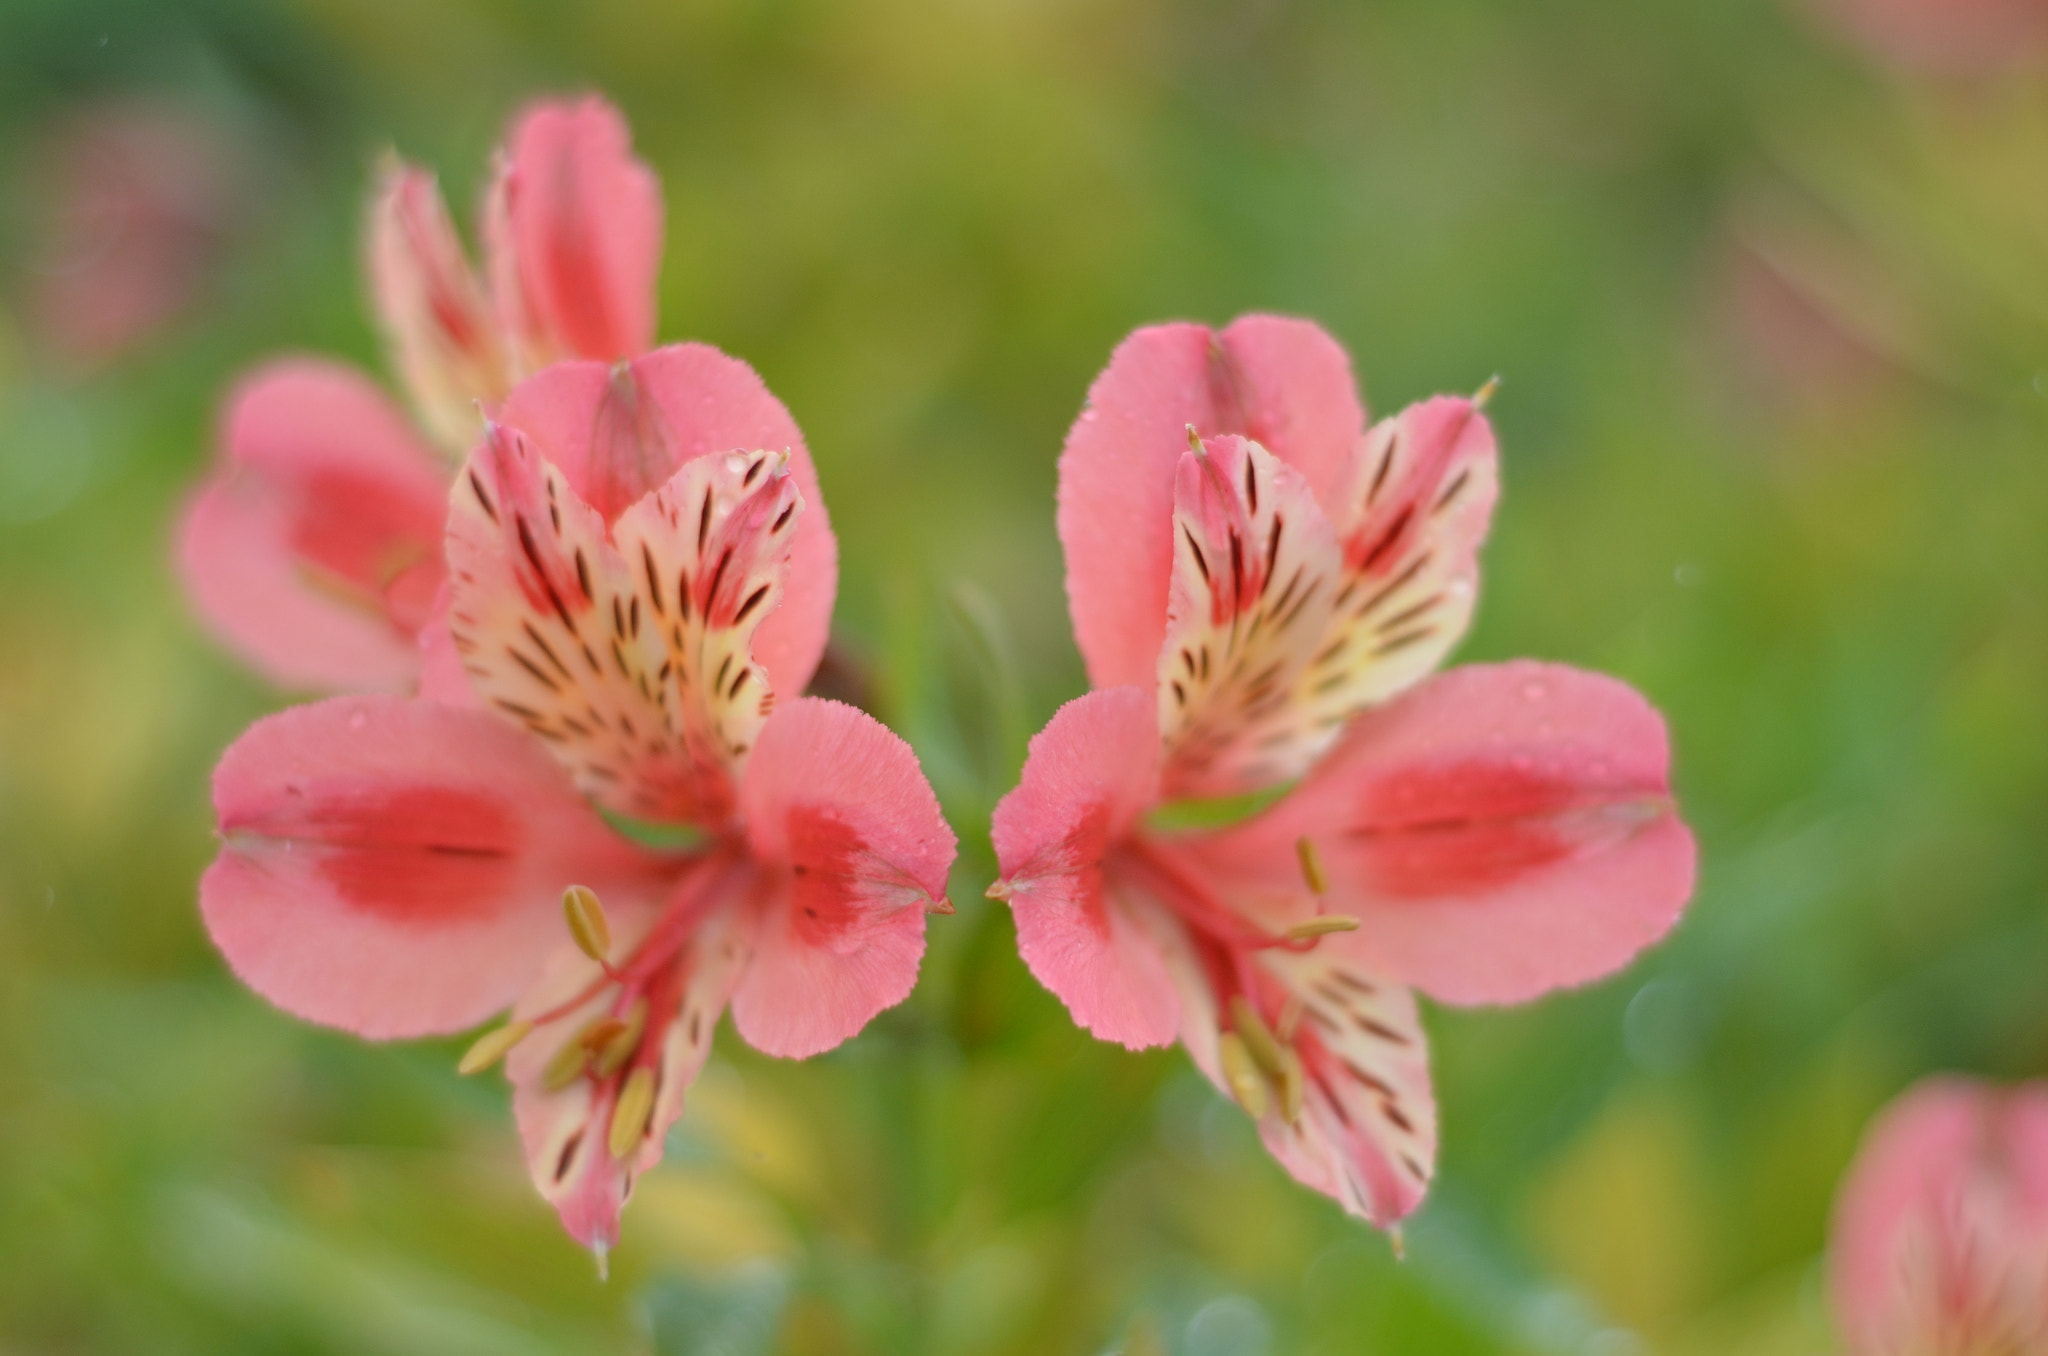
(1772, 318)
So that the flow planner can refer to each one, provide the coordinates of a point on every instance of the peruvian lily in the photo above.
(1940, 1240)
(1266, 826)
(314, 549)
(640, 581)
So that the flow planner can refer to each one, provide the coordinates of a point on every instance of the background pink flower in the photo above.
(631, 598)
(1260, 585)
(1940, 1240)
(314, 547)
(135, 198)
(1942, 37)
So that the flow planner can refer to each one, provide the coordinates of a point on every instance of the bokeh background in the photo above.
(1767, 285)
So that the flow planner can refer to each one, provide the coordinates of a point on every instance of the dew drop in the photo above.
(1535, 690)
(357, 720)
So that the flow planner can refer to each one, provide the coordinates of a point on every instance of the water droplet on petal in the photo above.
(1535, 690)
(357, 720)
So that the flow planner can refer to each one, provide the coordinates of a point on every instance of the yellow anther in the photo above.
(1291, 1080)
(1002, 889)
(1485, 393)
(621, 1039)
(587, 923)
(566, 1067)
(492, 1046)
(1259, 1040)
(1290, 1019)
(1247, 1085)
(1399, 1242)
(1322, 925)
(1311, 865)
(630, 1113)
(1194, 441)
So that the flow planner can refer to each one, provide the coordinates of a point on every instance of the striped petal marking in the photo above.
(588, 1135)
(1328, 1058)
(1255, 568)
(1417, 502)
(1366, 1130)
(1284, 623)
(628, 650)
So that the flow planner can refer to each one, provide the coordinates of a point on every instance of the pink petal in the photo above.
(839, 811)
(1283, 383)
(434, 312)
(314, 549)
(627, 651)
(1953, 1161)
(573, 235)
(566, 1132)
(394, 867)
(1366, 1136)
(1091, 772)
(1255, 570)
(1500, 831)
(618, 434)
(442, 677)
(1418, 502)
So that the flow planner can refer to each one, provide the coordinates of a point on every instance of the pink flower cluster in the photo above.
(579, 601)
(1941, 1230)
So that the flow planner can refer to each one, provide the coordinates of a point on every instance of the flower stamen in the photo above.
(629, 1115)
(1311, 865)
(622, 1040)
(588, 924)
(566, 1067)
(1322, 925)
(492, 1046)
(1247, 1085)
(1259, 1040)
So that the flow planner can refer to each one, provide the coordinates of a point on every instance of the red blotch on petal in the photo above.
(424, 856)
(1427, 832)
(365, 537)
(824, 853)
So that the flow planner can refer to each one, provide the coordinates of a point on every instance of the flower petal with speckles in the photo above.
(618, 433)
(626, 650)
(1282, 383)
(1255, 568)
(1940, 1239)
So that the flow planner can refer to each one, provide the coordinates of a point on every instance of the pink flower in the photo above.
(314, 548)
(1941, 37)
(133, 201)
(635, 604)
(1259, 586)
(1940, 1241)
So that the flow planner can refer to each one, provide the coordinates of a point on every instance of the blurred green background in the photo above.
(1769, 295)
